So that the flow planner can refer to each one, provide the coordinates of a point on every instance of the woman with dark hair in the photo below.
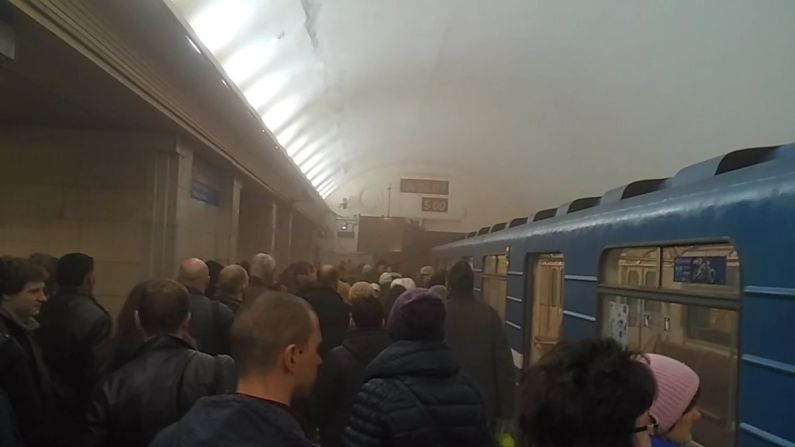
(23, 375)
(389, 297)
(128, 338)
(675, 409)
(214, 268)
(592, 393)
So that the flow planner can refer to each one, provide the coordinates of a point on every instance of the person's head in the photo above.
(439, 290)
(589, 392)
(327, 276)
(128, 337)
(214, 269)
(194, 274)
(675, 408)
(406, 283)
(439, 278)
(367, 313)
(22, 287)
(75, 270)
(263, 267)
(366, 269)
(460, 279)
(385, 279)
(163, 308)
(425, 275)
(380, 267)
(360, 290)
(277, 335)
(417, 315)
(49, 264)
(304, 274)
(232, 281)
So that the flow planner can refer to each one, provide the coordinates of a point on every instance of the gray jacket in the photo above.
(475, 333)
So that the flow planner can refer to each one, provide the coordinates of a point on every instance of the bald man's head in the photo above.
(233, 280)
(328, 275)
(194, 274)
(263, 267)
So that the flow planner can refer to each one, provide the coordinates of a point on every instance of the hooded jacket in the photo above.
(341, 377)
(414, 395)
(234, 420)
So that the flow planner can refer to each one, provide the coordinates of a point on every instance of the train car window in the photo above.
(686, 307)
(546, 284)
(626, 267)
(495, 284)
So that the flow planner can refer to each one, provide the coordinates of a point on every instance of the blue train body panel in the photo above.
(753, 208)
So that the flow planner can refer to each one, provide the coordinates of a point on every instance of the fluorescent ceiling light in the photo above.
(327, 191)
(312, 162)
(318, 169)
(281, 112)
(193, 44)
(220, 22)
(265, 89)
(323, 180)
(245, 63)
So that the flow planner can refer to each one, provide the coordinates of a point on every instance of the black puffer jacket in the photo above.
(414, 395)
(155, 389)
(341, 377)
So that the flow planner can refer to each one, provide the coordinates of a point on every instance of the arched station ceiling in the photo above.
(544, 101)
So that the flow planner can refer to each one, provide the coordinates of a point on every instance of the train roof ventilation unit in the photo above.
(484, 230)
(545, 214)
(637, 188)
(498, 227)
(472, 234)
(518, 221)
(732, 161)
(577, 205)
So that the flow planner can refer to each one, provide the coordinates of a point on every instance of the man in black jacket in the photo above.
(274, 341)
(232, 283)
(414, 393)
(23, 375)
(74, 328)
(343, 369)
(164, 379)
(331, 310)
(210, 320)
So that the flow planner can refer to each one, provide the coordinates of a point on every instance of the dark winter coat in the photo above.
(24, 378)
(74, 329)
(414, 395)
(210, 323)
(232, 303)
(332, 314)
(475, 333)
(234, 420)
(155, 389)
(340, 378)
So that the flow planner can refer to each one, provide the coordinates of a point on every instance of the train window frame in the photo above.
(698, 317)
(494, 272)
(556, 300)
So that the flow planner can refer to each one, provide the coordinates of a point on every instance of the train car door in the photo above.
(545, 309)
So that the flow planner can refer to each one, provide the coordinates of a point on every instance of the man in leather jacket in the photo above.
(164, 379)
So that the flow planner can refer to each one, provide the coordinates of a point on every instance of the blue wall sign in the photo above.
(700, 269)
(205, 193)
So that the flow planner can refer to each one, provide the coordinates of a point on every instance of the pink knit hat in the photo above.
(677, 384)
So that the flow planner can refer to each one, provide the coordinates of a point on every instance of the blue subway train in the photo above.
(699, 266)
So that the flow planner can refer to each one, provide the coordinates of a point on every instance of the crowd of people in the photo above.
(239, 355)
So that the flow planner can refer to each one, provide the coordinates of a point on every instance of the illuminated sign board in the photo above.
(418, 186)
(434, 204)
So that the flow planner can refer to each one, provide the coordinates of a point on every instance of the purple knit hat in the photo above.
(417, 314)
(677, 385)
